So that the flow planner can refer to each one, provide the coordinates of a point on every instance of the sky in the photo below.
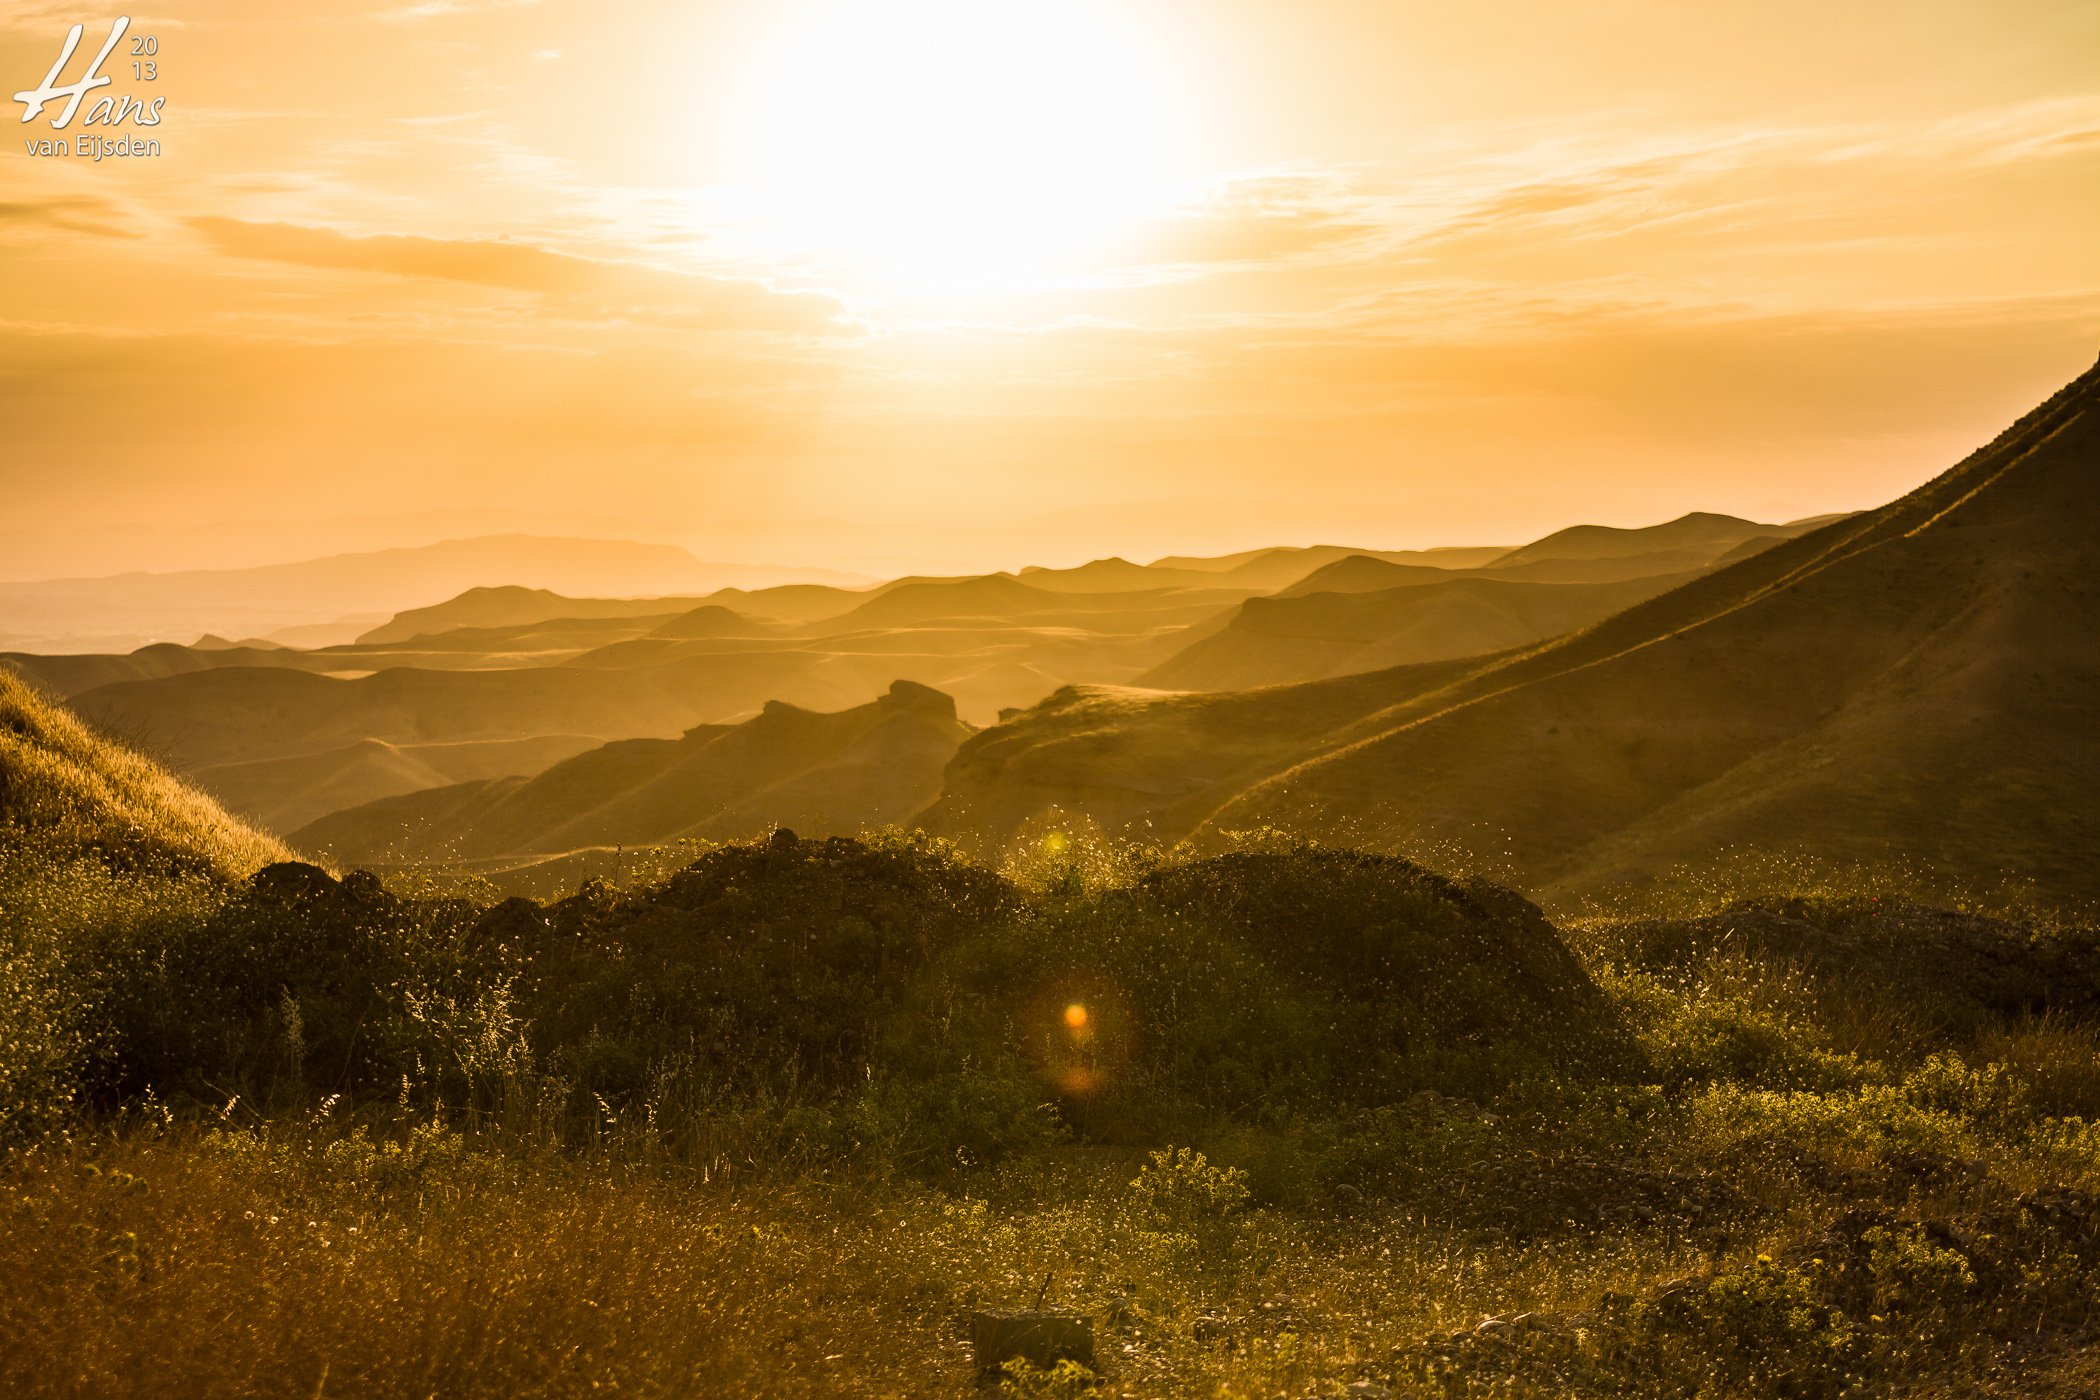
(959, 284)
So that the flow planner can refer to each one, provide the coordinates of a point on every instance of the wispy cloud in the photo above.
(425, 10)
(1260, 218)
(587, 285)
(79, 213)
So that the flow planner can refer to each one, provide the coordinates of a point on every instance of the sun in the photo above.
(955, 145)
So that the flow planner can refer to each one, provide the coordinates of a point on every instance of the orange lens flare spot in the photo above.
(1079, 1082)
(1075, 1016)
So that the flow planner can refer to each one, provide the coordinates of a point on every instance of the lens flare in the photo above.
(1075, 1016)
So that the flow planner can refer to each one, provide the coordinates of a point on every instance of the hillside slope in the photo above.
(245, 714)
(74, 796)
(821, 774)
(1275, 641)
(1914, 682)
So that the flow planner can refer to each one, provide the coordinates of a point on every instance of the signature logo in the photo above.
(106, 110)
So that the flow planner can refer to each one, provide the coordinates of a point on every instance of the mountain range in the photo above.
(502, 681)
(1915, 683)
(319, 601)
(1580, 714)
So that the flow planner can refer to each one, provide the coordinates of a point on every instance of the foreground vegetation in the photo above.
(770, 1126)
(1282, 1123)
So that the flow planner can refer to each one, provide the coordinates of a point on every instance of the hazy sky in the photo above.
(942, 283)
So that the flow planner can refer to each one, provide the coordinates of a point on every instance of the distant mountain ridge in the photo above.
(512, 605)
(1916, 682)
(1367, 612)
(821, 774)
(252, 602)
(1701, 531)
(1296, 637)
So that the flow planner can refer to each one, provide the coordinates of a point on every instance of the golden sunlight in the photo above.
(955, 145)
(807, 665)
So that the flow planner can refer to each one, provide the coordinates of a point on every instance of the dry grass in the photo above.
(57, 778)
(181, 1266)
(186, 1262)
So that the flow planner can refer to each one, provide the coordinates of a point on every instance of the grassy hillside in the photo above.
(1146, 764)
(72, 795)
(1912, 682)
(99, 849)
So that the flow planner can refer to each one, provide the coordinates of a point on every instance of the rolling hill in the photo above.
(1267, 570)
(287, 792)
(1257, 571)
(821, 774)
(1699, 533)
(1914, 683)
(1289, 638)
(510, 606)
(243, 714)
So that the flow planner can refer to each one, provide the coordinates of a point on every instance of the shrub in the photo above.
(1021, 1379)
(1762, 1329)
(1911, 1272)
(1990, 1097)
(1180, 1187)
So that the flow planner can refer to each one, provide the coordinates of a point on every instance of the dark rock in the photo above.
(516, 921)
(364, 887)
(293, 882)
(1039, 1338)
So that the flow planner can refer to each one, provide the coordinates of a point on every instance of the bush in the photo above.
(1180, 1187)
(302, 985)
(1912, 1272)
(1764, 1329)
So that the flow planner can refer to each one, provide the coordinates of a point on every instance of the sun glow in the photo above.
(956, 145)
